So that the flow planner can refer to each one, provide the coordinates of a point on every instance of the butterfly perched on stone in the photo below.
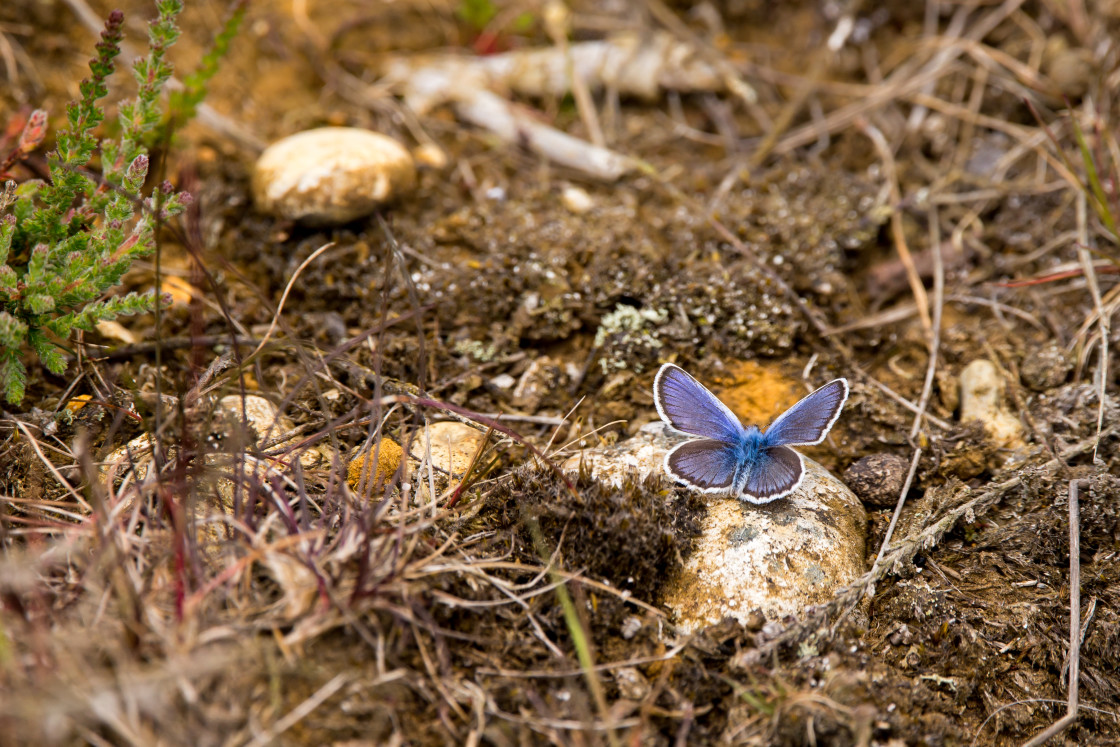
(726, 457)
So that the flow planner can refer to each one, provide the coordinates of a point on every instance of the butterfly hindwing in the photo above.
(687, 406)
(808, 422)
(777, 471)
(704, 464)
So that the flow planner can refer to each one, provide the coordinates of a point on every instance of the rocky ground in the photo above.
(916, 197)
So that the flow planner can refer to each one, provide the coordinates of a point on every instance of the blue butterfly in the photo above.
(728, 458)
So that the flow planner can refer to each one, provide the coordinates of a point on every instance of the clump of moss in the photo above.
(729, 311)
(633, 536)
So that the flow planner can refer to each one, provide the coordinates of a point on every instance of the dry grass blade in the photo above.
(899, 237)
(1074, 621)
(931, 369)
(300, 712)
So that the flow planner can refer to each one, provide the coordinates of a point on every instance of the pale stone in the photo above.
(982, 399)
(116, 330)
(776, 559)
(331, 175)
(453, 445)
(634, 459)
(576, 200)
(432, 156)
(263, 416)
(266, 422)
(632, 684)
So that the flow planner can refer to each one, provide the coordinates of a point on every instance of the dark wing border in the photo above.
(780, 454)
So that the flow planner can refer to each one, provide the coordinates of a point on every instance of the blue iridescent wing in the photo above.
(688, 407)
(809, 421)
(705, 464)
(776, 472)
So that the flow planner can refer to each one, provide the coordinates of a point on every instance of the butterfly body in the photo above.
(725, 457)
(747, 451)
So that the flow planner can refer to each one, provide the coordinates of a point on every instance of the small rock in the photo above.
(902, 636)
(116, 331)
(631, 626)
(773, 559)
(259, 414)
(503, 381)
(389, 455)
(453, 446)
(771, 630)
(265, 422)
(331, 175)
(634, 458)
(982, 400)
(431, 155)
(877, 479)
(1072, 72)
(1046, 367)
(543, 377)
(576, 200)
(632, 684)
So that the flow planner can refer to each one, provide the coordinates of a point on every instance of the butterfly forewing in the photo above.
(777, 471)
(686, 405)
(707, 465)
(809, 421)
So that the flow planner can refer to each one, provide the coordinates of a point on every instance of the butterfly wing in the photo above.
(808, 422)
(707, 465)
(777, 472)
(687, 406)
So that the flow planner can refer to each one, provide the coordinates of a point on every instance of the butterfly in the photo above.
(725, 457)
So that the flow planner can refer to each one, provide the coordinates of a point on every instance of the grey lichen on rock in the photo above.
(776, 559)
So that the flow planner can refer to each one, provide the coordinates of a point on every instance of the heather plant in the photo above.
(65, 243)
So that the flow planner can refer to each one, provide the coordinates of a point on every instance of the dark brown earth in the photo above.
(339, 619)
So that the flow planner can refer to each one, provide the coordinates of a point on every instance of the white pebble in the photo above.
(331, 175)
(576, 200)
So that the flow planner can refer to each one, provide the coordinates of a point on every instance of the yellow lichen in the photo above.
(389, 455)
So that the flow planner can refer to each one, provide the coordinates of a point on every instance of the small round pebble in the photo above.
(1045, 368)
(1071, 70)
(453, 446)
(877, 479)
(331, 175)
(576, 200)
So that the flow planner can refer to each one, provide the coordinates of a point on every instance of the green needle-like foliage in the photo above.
(65, 244)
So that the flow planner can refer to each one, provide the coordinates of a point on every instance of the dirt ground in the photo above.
(891, 212)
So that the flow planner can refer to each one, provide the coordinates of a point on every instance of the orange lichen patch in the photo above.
(757, 393)
(179, 289)
(78, 402)
(389, 455)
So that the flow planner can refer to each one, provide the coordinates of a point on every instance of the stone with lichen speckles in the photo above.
(777, 558)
